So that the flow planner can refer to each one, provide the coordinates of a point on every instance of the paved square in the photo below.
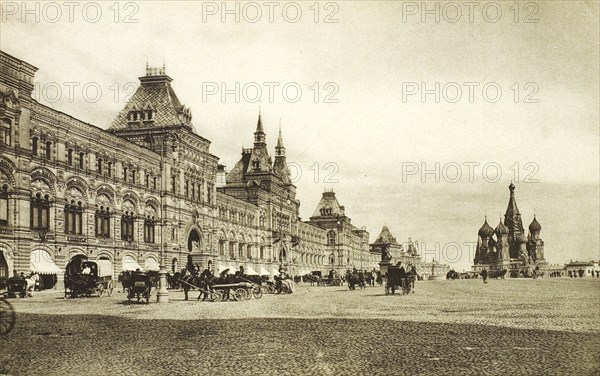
(524, 327)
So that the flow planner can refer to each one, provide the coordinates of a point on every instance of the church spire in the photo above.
(259, 135)
(280, 166)
(280, 149)
(513, 221)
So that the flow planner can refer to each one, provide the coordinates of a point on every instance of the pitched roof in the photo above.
(385, 236)
(328, 201)
(155, 92)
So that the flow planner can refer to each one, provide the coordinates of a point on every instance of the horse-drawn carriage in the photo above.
(7, 312)
(354, 279)
(18, 286)
(84, 277)
(398, 279)
(139, 286)
(222, 287)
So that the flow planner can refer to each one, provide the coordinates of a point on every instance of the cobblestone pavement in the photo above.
(516, 327)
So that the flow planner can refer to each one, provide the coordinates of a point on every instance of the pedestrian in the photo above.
(484, 275)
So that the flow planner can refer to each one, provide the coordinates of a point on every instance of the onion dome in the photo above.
(535, 226)
(501, 229)
(521, 238)
(486, 230)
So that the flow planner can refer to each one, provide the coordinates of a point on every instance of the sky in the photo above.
(417, 123)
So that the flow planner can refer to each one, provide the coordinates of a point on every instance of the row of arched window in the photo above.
(234, 216)
(73, 223)
(241, 251)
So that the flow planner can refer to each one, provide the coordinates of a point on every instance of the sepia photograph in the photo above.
(312, 188)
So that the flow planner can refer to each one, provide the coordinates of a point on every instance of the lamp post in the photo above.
(162, 295)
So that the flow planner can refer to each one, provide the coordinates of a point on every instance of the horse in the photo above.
(313, 279)
(412, 276)
(497, 274)
(353, 280)
(452, 275)
(30, 282)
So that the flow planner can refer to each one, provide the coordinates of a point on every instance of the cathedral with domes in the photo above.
(507, 247)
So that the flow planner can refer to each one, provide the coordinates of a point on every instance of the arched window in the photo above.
(209, 196)
(133, 174)
(70, 157)
(34, 146)
(262, 252)
(6, 131)
(48, 150)
(81, 160)
(100, 166)
(124, 173)
(74, 218)
(331, 238)
(4, 208)
(149, 224)
(127, 225)
(40, 212)
(109, 169)
(241, 250)
(249, 251)
(221, 247)
(103, 222)
(232, 250)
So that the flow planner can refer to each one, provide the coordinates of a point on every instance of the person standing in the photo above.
(484, 275)
(205, 278)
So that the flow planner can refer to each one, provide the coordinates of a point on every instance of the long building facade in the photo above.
(147, 191)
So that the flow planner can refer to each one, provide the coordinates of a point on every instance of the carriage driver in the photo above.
(206, 276)
(86, 270)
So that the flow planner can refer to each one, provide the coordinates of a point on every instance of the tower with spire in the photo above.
(280, 167)
(514, 223)
(255, 178)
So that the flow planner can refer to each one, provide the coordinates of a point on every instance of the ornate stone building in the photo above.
(145, 192)
(511, 249)
(347, 245)
(410, 256)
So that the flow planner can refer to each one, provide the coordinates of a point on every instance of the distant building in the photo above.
(410, 256)
(511, 249)
(434, 270)
(581, 269)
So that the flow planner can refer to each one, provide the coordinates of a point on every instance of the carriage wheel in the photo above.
(109, 288)
(7, 317)
(257, 292)
(240, 294)
(270, 289)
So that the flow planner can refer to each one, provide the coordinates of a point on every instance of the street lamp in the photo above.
(163, 294)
